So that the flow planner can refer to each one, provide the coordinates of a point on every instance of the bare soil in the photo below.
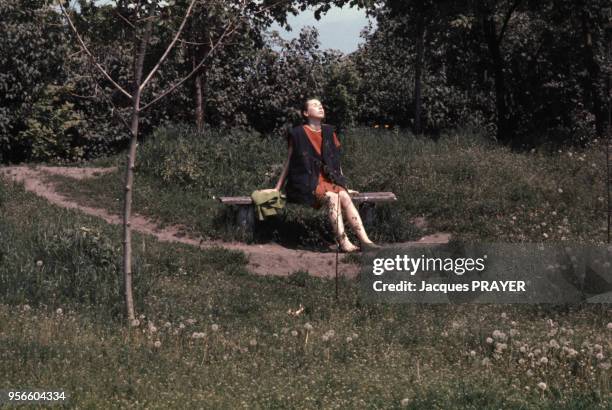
(264, 259)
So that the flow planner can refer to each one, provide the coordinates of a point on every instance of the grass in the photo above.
(212, 335)
(461, 183)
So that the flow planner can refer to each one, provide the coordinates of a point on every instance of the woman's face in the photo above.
(315, 110)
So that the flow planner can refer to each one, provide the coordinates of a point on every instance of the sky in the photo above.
(339, 28)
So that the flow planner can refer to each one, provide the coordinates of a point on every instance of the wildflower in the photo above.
(26, 308)
(405, 402)
(167, 324)
(472, 353)
(152, 328)
(571, 352)
(157, 344)
(325, 337)
(545, 235)
(486, 361)
(349, 339)
(284, 330)
(39, 263)
(354, 335)
(489, 340)
(214, 327)
(294, 333)
(560, 190)
(308, 327)
(554, 344)
(135, 323)
(513, 332)
(604, 365)
(542, 386)
(599, 356)
(544, 360)
(504, 315)
(521, 361)
(142, 317)
(198, 335)
(181, 326)
(529, 372)
(252, 342)
(386, 125)
(190, 321)
(609, 326)
(597, 347)
(375, 125)
(59, 311)
(500, 347)
(523, 349)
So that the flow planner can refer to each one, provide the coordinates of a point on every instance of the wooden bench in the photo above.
(366, 201)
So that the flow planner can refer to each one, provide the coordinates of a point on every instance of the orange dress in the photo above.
(324, 185)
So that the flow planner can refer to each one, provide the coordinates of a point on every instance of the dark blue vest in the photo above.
(306, 164)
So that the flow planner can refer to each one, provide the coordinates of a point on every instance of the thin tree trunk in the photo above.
(418, 70)
(591, 96)
(199, 97)
(503, 131)
(129, 176)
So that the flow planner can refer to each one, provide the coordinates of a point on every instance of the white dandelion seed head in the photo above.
(609, 326)
(294, 333)
(544, 360)
(135, 323)
(59, 311)
(529, 372)
(486, 361)
(252, 342)
(39, 263)
(599, 356)
(308, 327)
(190, 321)
(214, 327)
(523, 349)
(404, 402)
(325, 338)
(157, 344)
(489, 340)
(542, 386)
(349, 339)
(472, 353)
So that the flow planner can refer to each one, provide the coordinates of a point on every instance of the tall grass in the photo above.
(462, 183)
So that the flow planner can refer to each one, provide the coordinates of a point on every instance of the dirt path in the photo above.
(266, 259)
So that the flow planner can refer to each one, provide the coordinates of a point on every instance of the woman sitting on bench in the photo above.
(314, 176)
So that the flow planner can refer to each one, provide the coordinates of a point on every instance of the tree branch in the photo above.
(84, 47)
(226, 32)
(511, 10)
(163, 57)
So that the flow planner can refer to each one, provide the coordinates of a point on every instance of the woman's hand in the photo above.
(352, 192)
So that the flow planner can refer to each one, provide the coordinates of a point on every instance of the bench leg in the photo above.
(367, 213)
(245, 219)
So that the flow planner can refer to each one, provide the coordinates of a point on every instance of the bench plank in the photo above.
(357, 198)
